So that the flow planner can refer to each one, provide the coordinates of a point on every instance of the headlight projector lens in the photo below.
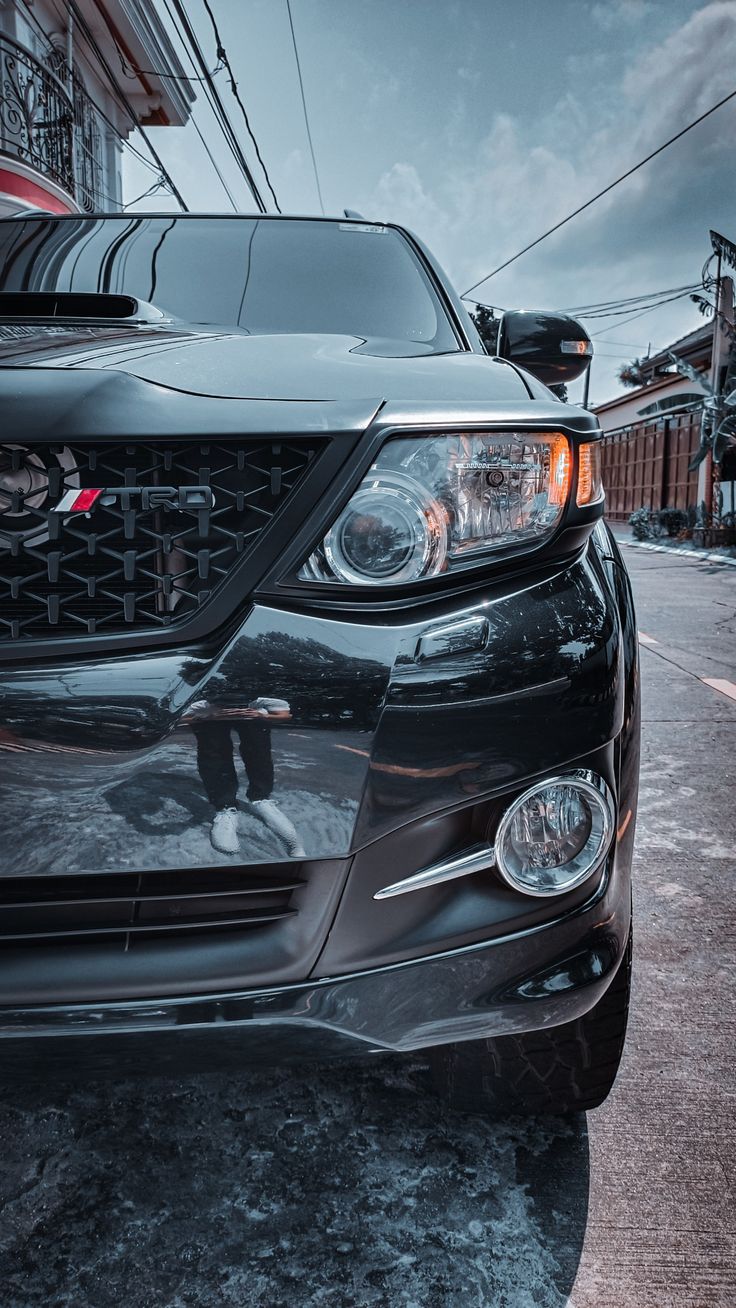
(391, 530)
(556, 834)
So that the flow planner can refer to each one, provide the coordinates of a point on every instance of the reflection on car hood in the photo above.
(228, 364)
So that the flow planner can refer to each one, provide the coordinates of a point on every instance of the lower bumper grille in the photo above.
(99, 539)
(125, 907)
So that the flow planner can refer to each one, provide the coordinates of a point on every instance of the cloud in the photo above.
(401, 194)
(620, 13)
(649, 232)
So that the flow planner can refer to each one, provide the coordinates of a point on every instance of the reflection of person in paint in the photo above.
(213, 727)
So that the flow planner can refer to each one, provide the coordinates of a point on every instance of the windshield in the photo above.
(263, 275)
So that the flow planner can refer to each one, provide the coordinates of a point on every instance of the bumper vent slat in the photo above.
(255, 918)
(38, 910)
(137, 561)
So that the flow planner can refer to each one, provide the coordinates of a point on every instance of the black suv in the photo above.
(319, 728)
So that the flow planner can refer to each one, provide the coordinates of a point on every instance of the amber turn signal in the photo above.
(590, 484)
(560, 470)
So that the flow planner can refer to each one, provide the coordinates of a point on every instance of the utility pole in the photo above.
(724, 318)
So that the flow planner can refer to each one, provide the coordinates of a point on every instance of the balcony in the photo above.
(49, 123)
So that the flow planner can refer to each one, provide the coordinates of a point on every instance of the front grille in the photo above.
(126, 907)
(138, 561)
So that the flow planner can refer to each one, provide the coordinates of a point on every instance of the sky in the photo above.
(481, 123)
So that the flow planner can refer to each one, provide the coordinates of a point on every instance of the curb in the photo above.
(675, 549)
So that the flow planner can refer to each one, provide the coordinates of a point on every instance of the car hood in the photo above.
(230, 364)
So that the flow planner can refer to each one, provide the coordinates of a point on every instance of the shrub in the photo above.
(640, 522)
(646, 523)
(673, 521)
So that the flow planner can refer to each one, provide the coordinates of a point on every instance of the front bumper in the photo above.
(540, 977)
(393, 758)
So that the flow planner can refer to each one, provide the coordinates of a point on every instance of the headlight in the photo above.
(556, 834)
(431, 503)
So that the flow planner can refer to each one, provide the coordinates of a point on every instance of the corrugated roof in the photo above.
(700, 336)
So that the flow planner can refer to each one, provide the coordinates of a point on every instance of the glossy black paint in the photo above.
(384, 760)
(535, 978)
(540, 341)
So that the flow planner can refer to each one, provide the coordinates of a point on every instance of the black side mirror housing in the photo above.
(553, 347)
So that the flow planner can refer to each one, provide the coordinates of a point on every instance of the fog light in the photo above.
(556, 834)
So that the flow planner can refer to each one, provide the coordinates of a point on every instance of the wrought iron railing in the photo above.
(36, 114)
(48, 121)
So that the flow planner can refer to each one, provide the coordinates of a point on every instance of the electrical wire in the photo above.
(483, 304)
(136, 72)
(630, 345)
(192, 118)
(218, 107)
(634, 318)
(609, 308)
(217, 112)
(605, 191)
(126, 103)
(620, 313)
(304, 105)
(630, 300)
(152, 190)
(223, 58)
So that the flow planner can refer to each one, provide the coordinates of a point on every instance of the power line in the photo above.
(126, 103)
(631, 299)
(131, 71)
(193, 120)
(218, 114)
(605, 191)
(620, 313)
(483, 304)
(218, 107)
(152, 190)
(630, 345)
(223, 58)
(609, 308)
(614, 326)
(304, 105)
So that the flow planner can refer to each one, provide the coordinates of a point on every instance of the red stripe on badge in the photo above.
(86, 499)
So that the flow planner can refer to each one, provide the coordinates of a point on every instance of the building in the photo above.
(665, 391)
(651, 434)
(67, 68)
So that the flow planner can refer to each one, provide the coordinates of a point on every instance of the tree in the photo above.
(487, 327)
(631, 374)
(718, 420)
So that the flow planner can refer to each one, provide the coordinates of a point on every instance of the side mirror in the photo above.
(552, 346)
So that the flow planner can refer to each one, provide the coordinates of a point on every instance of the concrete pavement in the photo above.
(340, 1186)
(661, 1226)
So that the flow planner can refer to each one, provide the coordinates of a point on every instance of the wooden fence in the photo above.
(647, 465)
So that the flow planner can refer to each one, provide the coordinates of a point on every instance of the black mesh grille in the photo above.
(125, 907)
(144, 560)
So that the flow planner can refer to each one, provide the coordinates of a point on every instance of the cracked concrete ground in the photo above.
(342, 1185)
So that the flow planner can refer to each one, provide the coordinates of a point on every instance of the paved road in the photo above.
(341, 1187)
(661, 1226)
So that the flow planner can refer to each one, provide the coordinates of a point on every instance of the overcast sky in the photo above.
(480, 123)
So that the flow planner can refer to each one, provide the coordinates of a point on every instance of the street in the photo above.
(341, 1186)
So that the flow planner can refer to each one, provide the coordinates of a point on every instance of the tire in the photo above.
(565, 1069)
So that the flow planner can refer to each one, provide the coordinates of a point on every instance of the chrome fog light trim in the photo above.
(556, 834)
(477, 859)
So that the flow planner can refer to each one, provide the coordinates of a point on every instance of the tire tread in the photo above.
(568, 1068)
